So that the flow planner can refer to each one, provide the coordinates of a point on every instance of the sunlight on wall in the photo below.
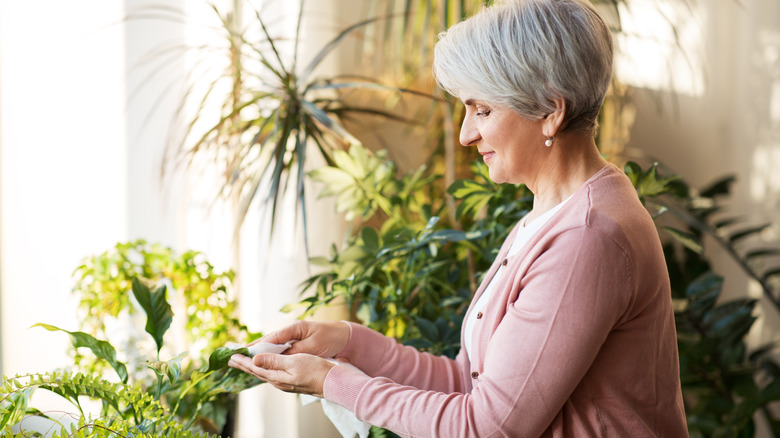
(660, 46)
(765, 177)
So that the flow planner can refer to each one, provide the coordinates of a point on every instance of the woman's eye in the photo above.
(483, 112)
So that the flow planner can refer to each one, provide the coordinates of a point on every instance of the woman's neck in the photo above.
(571, 162)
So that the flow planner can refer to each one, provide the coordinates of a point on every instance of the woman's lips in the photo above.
(487, 155)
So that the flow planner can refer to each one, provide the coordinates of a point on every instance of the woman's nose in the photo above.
(468, 132)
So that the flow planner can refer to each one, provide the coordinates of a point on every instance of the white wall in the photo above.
(63, 173)
(80, 168)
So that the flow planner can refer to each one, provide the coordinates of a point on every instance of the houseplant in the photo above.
(200, 293)
(178, 403)
(258, 116)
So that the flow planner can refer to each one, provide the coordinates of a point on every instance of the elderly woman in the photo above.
(572, 333)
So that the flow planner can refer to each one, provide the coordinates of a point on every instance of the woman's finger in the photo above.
(293, 332)
(243, 363)
(270, 362)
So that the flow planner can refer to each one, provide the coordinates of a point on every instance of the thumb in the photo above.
(269, 361)
(293, 332)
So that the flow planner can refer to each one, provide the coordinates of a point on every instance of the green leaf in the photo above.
(771, 392)
(703, 292)
(428, 329)
(170, 368)
(719, 187)
(101, 349)
(733, 323)
(727, 221)
(463, 188)
(158, 312)
(650, 185)
(747, 232)
(762, 252)
(370, 238)
(220, 357)
(634, 172)
(686, 239)
(770, 273)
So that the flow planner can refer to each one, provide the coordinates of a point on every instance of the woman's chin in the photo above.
(496, 176)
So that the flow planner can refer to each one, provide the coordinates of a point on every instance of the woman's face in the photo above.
(510, 144)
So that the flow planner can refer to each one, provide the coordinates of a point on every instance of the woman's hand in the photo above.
(323, 339)
(298, 373)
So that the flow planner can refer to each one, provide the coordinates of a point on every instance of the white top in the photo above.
(523, 235)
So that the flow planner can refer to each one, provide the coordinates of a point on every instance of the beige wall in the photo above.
(731, 127)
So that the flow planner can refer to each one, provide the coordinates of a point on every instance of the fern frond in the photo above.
(128, 410)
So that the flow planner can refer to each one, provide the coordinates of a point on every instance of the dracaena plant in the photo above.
(180, 402)
(258, 118)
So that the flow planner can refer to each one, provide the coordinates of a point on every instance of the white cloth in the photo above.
(265, 347)
(345, 420)
(342, 418)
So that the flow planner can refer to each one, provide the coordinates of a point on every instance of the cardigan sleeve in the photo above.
(569, 299)
(379, 355)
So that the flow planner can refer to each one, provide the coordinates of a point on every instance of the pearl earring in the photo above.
(549, 141)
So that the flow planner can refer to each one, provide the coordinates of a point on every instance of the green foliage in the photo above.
(403, 273)
(716, 372)
(104, 286)
(127, 410)
(725, 384)
(102, 349)
(187, 397)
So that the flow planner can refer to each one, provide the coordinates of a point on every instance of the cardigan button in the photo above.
(504, 262)
(479, 315)
(474, 374)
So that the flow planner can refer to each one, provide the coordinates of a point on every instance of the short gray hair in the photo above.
(522, 54)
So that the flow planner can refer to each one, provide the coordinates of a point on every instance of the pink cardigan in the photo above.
(578, 341)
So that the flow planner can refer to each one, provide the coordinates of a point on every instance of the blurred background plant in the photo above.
(254, 109)
(729, 383)
(200, 294)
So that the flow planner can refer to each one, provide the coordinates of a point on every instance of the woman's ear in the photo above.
(553, 121)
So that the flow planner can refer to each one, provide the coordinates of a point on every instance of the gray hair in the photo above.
(522, 54)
